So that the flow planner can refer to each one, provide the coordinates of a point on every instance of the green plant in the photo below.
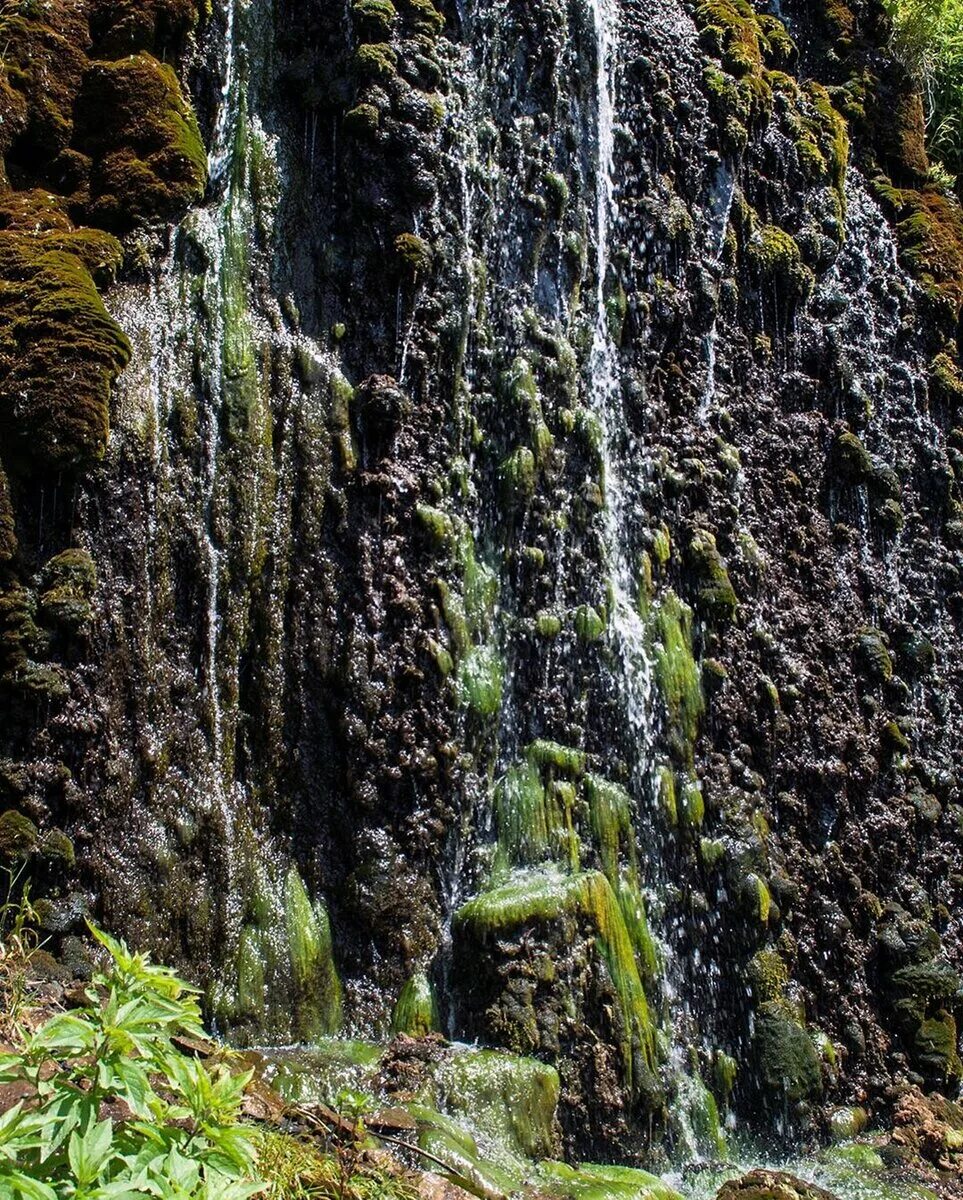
(18, 944)
(113, 1109)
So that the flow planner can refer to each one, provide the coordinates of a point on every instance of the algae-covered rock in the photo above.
(18, 834)
(590, 1181)
(576, 922)
(715, 596)
(785, 1056)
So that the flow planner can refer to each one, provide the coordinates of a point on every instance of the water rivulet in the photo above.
(518, 594)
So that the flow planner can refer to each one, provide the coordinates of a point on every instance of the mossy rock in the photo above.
(363, 120)
(518, 473)
(714, 594)
(374, 19)
(44, 63)
(68, 583)
(785, 1057)
(775, 257)
(568, 902)
(946, 381)
(18, 835)
(935, 1049)
(60, 350)
(414, 252)
(763, 1184)
(377, 61)
(851, 460)
(422, 16)
(148, 163)
(872, 658)
(8, 530)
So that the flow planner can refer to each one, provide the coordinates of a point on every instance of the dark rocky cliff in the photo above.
(507, 528)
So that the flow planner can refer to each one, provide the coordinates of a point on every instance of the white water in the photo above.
(622, 456)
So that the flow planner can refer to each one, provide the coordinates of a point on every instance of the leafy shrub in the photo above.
(112, 1109)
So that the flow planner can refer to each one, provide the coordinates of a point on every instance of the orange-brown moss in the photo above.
(929, 226)
(148, 160)
(60, 350)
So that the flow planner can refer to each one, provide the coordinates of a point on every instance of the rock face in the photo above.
(504, 532)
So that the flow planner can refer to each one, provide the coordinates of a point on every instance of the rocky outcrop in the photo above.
(521, 553)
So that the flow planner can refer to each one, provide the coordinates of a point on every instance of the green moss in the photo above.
(678, 676)
(935, 1047)
(872, 658)
(414, 252)
(930, 233)
(8, 529)
(693, 807)
(557, 190)
(543, 898)
(416, 1012)
(725, 1070)
(363, 120)
(318, 999)
(60, 351)
(375, 18)
(661, 545)
(851, 460)
(480, 680)
(148, 162)
(847, 1123)
(56, 844)
(892, 740)
(424, 16)
(715, 596)
(531, 825)
(251, 980)
(610, 812)
(589, 626)
(946, 381)
(548, 624)
(666, 790)
(591, 1182)
(769, 976)
(775, 257)
(438, 525)
(758, 898)
(636, 919)
(468, 1170)
(377, 61)
(18, 834)
(711, 852)
(518, 477)
(551, 755)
